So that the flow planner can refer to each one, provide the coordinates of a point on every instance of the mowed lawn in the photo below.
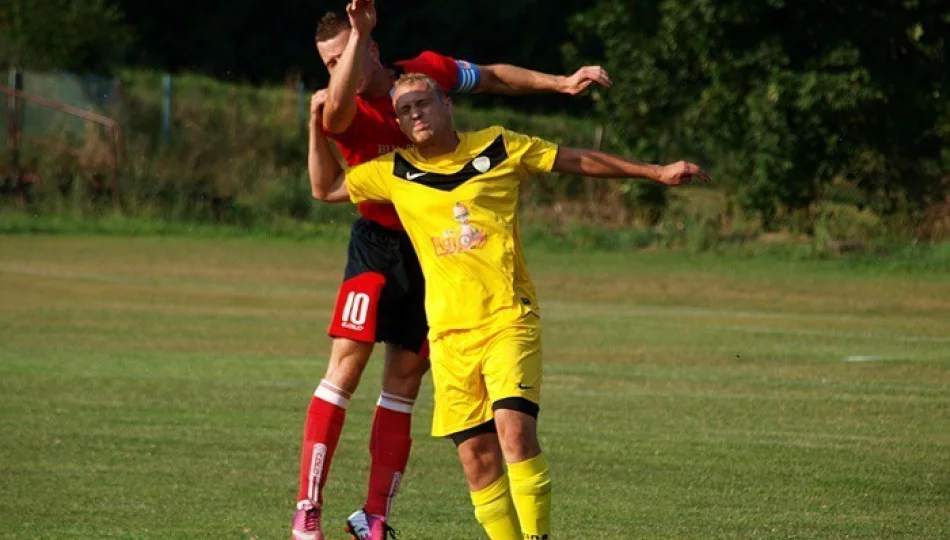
(155, 388)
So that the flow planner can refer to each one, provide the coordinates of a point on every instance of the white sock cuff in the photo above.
(332, 393)
(395, 403)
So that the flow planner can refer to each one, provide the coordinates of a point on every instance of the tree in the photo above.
(782, 96)
(76, 35)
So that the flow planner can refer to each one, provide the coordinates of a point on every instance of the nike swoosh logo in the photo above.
(413, 176)
(523, 387)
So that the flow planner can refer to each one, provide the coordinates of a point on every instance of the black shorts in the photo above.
(382, 298)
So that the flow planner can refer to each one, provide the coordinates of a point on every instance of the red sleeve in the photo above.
(441, 68)
(348, 142)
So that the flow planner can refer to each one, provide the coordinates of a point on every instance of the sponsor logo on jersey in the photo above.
(464, 238)
(387, 148)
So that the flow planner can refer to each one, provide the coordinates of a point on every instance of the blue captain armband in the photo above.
(468, 76)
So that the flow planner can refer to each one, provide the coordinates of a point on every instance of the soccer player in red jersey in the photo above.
(382, 296)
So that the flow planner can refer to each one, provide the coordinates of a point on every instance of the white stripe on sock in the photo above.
(331, 393)
(395, 403)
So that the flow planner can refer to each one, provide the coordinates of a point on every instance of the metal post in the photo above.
(16, 80)
(166, 108)
(114, 165)
(599, 132)
(304, 108)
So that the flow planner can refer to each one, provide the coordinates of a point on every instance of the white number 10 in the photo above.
(357, 304)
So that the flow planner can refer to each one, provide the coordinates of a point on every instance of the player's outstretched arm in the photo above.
(348, 68)
(583, 162)
(508, 79)
(327, 179)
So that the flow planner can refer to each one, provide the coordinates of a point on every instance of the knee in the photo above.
(347, 363)
(480, 456)
(404, 372)
(482, 460)
(520, 446)
(518, 435)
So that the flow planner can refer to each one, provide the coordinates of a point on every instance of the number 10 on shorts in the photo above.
(354, 316)
(355, 310)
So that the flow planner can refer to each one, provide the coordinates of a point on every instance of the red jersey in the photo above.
(374, 131)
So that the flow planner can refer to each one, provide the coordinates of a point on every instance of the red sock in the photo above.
(321, 434)
(389, 449)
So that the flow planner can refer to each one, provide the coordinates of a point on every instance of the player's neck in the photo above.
(380, 83)
(440, 146)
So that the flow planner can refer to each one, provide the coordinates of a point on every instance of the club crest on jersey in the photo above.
(464, 238)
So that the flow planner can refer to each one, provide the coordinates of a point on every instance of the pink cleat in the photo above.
(307, 522)
(363, 526)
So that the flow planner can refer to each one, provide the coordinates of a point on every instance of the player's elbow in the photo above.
(335, 118)
(318, 190)
(320, 194)
(335, 194)
(334, 125)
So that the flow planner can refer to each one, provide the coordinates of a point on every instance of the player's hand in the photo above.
(362, 15)
(317, 100)
(584, 77)
(681, 173)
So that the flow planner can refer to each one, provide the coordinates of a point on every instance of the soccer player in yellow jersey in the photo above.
(457, 196)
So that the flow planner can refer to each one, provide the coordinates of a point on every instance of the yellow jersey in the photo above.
(461, 213)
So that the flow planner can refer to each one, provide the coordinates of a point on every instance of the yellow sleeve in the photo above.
(537, 155)
(368, 182)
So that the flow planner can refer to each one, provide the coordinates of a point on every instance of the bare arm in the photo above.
(508, 79)
(602, 165)
(341, 91)
(327, 178)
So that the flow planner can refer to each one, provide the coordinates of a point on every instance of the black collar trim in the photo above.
(495, 154)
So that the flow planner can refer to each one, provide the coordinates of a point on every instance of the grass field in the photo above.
(155, 388)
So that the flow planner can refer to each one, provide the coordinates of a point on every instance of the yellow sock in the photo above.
(495, 511)
(531, 492)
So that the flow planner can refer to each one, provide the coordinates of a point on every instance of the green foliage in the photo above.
(236, 160)
(76, 35)
(781, 97)
(236, 156)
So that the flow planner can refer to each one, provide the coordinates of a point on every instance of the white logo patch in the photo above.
(481, 164)
(414, 175)
(316, 469)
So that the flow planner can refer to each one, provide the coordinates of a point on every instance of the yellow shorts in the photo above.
(472, 369)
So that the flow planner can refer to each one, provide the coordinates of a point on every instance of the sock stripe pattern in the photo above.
(395, 403)
(331, 393)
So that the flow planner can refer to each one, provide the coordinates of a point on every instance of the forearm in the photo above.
(327, 180)
(341, 90)
(508, 79)
(602, 165)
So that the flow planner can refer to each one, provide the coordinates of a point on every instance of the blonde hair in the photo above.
(407, 79)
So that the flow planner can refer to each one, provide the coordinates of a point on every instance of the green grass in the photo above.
(155, 388)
